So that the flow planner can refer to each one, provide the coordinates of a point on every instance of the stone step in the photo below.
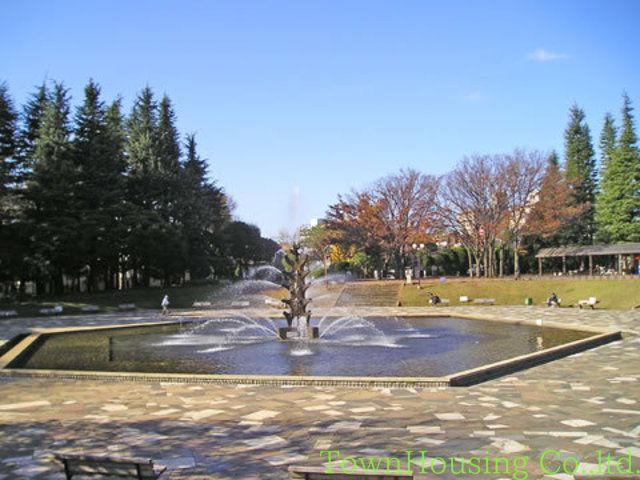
(375, 294)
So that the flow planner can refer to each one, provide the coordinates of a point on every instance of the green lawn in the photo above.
(612, 294)
(144, 298)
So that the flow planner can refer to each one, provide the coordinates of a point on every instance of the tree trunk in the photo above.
(486, 262)
(516, 260)
(494, 264)
(22, 290)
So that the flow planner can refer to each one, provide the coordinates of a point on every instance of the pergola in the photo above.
(618, 250)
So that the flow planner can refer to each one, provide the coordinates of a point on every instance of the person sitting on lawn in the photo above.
(433, 298)
(553, 300)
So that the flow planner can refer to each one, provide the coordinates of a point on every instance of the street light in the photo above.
(326, 266)
(417, 248)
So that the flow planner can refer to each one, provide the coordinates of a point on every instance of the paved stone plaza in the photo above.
(576, 405)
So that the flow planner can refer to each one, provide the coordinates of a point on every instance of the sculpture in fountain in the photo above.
(297, 302)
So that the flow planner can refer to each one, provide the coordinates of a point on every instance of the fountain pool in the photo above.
(347, 347)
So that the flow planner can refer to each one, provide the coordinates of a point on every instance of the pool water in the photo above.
(371, 347)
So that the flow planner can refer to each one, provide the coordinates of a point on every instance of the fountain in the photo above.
(297, 302)
(240, 345)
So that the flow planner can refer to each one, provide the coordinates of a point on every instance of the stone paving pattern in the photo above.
(575, 405)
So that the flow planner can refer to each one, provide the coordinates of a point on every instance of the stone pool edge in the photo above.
(459, 379)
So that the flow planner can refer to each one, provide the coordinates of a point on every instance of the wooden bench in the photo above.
(201, 304)
(126, 306)
(272, 302)
(613, 476)
(484, 301)
(58, 309)
(94, 465)
(591, 302)
(240, 304)
(321, 473)
(90, 308)
(441, 302)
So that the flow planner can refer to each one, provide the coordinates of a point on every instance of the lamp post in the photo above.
(325, 251)
(416, 249)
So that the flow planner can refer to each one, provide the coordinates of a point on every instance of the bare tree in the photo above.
(408, 211)
(473, 206)
(554, 207)
(386, 218)
(522, 174)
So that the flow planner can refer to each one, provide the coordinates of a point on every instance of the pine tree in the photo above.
(115, 126)
(607, 141)
(156, 243)
(581, 174)
(618, 212)
(168, 139)
(168, 174)
(194, 166)
(54, 206)
(99, 187)
(11, 246)
(554, 207)
(607, 147)
(142, 144)
(32, 116)
(117, 204)
(204, 214)
(167, 171)
(8, 140)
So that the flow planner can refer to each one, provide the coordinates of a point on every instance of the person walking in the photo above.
(165, 305)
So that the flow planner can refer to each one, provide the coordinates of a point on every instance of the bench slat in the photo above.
(108, 466)
(132, 468)
(299, 472)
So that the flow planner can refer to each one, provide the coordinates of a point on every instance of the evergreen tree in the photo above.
(100, 195)
(142, 144)
(99, 187)
(117, 204)
(618, 212)
(607, 141)
(21, 260)
(581, 173)
(168, 139)
(204, 213)
(32, 116)
(155, 241)
(54, 208)
(115, 127)
(167, 170)
(554, 207)
(194, 166)
(11, 245)
(8, 128)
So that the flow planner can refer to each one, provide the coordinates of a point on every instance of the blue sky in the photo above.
(294, 102)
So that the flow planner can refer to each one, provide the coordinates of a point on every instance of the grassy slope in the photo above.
(613, 294)
(144, 298)
(109, 301)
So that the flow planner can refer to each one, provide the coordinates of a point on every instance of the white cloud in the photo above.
(475, 97)
(542, 55)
